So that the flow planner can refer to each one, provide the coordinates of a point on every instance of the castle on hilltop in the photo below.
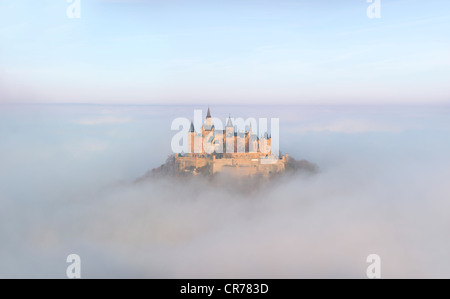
(230, 151)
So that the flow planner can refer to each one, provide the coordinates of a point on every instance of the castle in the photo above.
(228, 151)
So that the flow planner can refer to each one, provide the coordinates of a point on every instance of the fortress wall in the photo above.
(220, 163)
(185, 162)
(279, 166)
(238, 165)
(239, 171)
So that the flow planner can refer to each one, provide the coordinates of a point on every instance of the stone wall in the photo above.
(237, 164)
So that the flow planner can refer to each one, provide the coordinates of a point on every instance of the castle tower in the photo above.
(229, 135)
(191, 136)
(265, 144)
(252, 141)
(208, 120)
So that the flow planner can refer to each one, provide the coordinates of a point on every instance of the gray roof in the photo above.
(229, 123)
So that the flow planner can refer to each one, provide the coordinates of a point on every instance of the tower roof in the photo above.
(208, 115)
(191, 129)
(229, 123)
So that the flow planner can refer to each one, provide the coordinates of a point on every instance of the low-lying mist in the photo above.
(378, 191)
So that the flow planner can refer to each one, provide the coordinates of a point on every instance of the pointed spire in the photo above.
(208, 115)
(191, 129)
(229, 123)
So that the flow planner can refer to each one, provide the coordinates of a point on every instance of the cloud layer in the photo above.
(377, 192)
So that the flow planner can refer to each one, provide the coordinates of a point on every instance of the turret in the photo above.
(191, 136)
(208, 120)
(229, 127)
(264, 144)
(229, 135)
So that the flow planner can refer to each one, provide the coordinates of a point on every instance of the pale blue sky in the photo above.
(238, 51)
